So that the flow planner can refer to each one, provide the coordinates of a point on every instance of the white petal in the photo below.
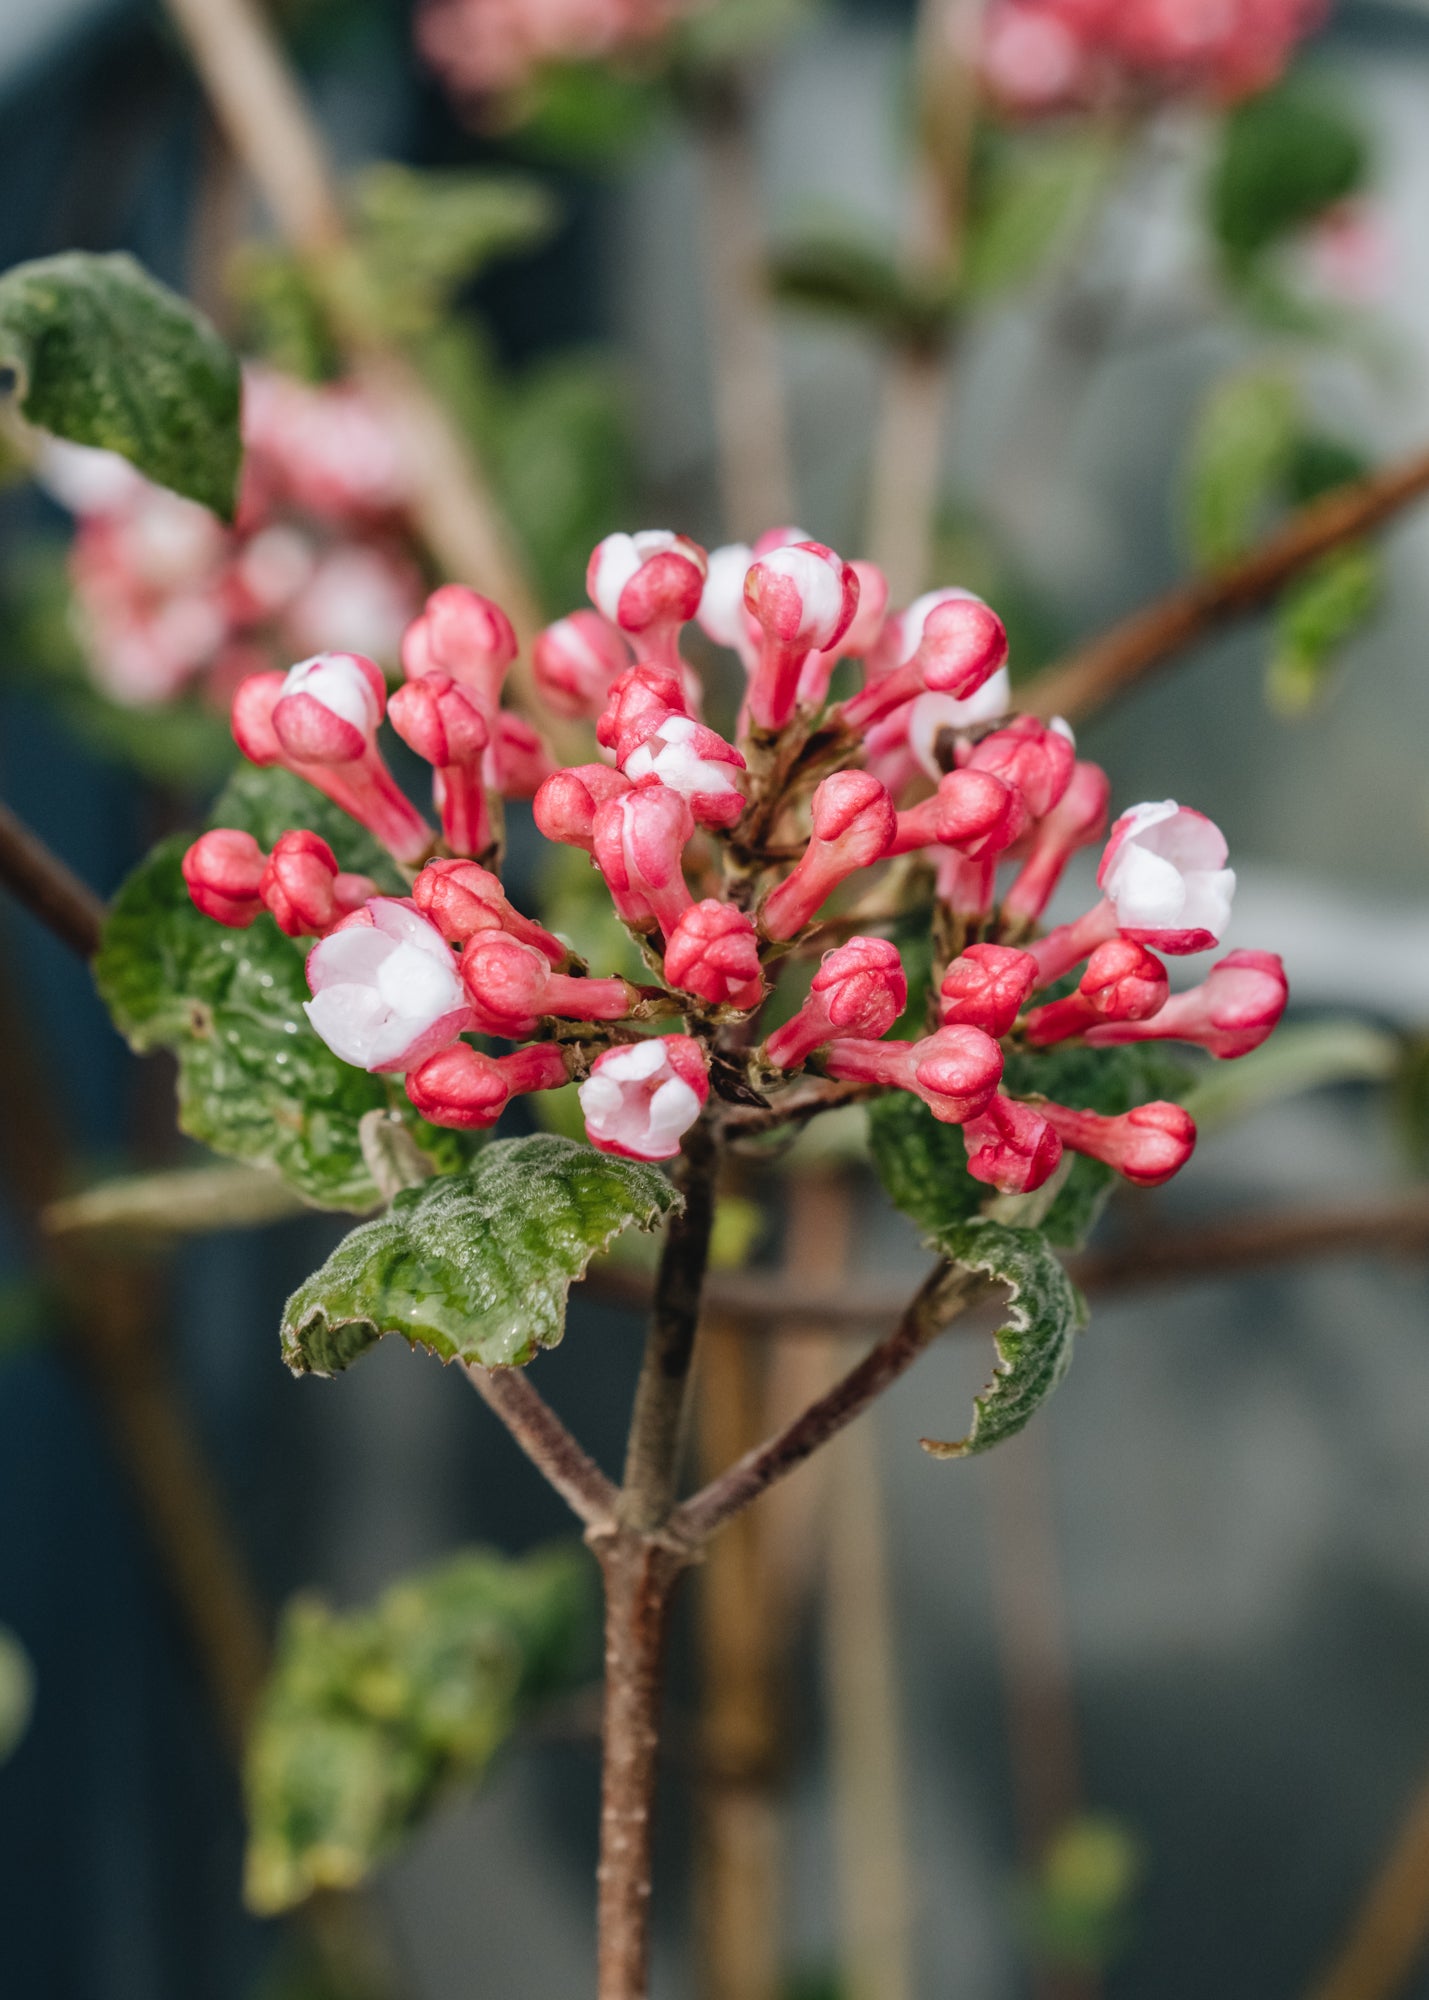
(672, 1111)
(1149, 892)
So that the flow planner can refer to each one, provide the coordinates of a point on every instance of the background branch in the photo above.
(48, 887)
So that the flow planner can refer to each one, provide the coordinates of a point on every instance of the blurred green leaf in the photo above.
(1075, 1912)
(475, 1266)
(27, 1316)
(1319, 463)
(372, 1717)
(17, 1692)
(1285, 157)
(588, 115)
(1295, 1059)
(1033, 192)
(424, 233)
(733, 31)
(854, 277)
(1315, 618)
(1045, 1313)
(103, 354)
(283, 319)
(1240, 453)
(181, 1201)
(1411, 1099)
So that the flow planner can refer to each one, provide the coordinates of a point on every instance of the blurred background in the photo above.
(1148, 1708)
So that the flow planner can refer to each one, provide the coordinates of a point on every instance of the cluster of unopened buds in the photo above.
(1054, 55)
(486, 47)
(729, 865)
(319, 553)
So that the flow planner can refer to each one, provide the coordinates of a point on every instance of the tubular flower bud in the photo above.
(446, 726)
(948, 643)
(461, 899)
(854, 822)
(640, 1099)
(304, 888)
(224, 873)
(1069, 944)
(859, 640)
(803, 598)
(859, 991)
(511, 986)
(1011, 1146)
(696, 762)
(386, 992)
(460, 1088)
(955, 1071)
(518, 760)
(723, 614)
(641, 694)
(987, 987)
(329, 712)
(1123, 982)
(638, 840)
(649, 585)
(973, 811)
(1077, 819)
(1234, 1009)
(713, 952)
(464, 636)
(575, 661)
(566, 803)
(1164, 873)
(1034, 758)
(1146, 1146)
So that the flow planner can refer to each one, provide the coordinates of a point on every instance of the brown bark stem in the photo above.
(48, 888)
(1389, 1931)
(547, 1443)
(1117, 660)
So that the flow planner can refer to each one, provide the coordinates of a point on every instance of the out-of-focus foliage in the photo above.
(371, 1717)
(1284, 158)
(847, 274)
(1304, 1056)
(422, 235)
(1317, 615)
(103, 354)
(1238, 460)
(1077, 1910)
(17, 1692)
(1033, 193)
(26, 1316)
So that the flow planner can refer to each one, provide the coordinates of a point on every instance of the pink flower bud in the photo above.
(955, 1071)
(803, 598)
(446, 726)
(641, 1098)
(854, 822)
(723, 614)
(460, 1088)
(987, 987)
(566, 803)
(1164, 873)
(1077, 819)
(857, 642)
(859, 991)
(464, 636)
(511, 986)
(386, 992)
(329, 708)
(1069, 944)
(638, 841)
(224, 873)
(1234, 1009)
(304, 889)
(947, 643)
(1011, 1147)
(518, 759)
(1035, 758)
(1146, 1146)
(641, 694)
(648, 584)
(575, 660)
(1123, 982)
(973, 811)
(675, 750)
(713, 952)
(461, 899)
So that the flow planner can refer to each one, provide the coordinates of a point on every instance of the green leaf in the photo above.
(1315, 618)
(255, 1081)
(1034, 1349)
(1286, 156)
(853, 277)
(1033, 193)
(105, 355)
(1240, 453)
(370, 1718)
(589, 115)
(1302, 1057)
(17, 1692)
(424, 233)
(476, 1266)
(922, 1163)
(1075, 1911)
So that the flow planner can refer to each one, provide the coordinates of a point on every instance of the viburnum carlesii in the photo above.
(854, 824)
(1146, 1146)
(386, 990)
(648, 585)
(987, 986)
(462, 1088)
(948, 643)
(1123, 982)
(1011, 1146)
(566, 803)
(1235, 1008)
(305, 890)
(675, 750)
(638, 840)
(856, 643)
(1078, 818)
(444, 725)
(223, 871)
(803, 598)
(642, 1097)
(955, 1072)
(859, 991)
(713, 952)
(461, 899)
(575, 661)
(464, 636)
(511, 986)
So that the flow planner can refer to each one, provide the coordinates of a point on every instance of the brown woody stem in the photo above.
(48, 888)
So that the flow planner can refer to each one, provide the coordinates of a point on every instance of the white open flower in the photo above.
(1165, 876)
(386, 991)
(641, 1099)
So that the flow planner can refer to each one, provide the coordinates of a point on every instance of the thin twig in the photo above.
(1388, 1933)
(48, 887)
(794, 1107)
(1107, 666)
(547, 1443)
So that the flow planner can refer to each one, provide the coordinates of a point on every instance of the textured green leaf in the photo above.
(1045, 1313)
(1316, 618)
(855, 277)
(371, 1717)
(475, 1266)
(1240, 454)
(105, 355)
(1286, 156)
(1033, 194)
(255, 1082)
(922, 1163)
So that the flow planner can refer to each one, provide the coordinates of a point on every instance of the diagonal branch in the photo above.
(1107, 666)
(48, 887)
(547, 1443)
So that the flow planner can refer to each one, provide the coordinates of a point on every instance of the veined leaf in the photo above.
(1316, 618)
(1034, 1349)
(474, 1266)
(372, 1717)
(105, 355)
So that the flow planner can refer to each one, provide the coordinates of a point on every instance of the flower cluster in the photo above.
(319, 554)
(483, 48)
(1054, 55)
(731, 865)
